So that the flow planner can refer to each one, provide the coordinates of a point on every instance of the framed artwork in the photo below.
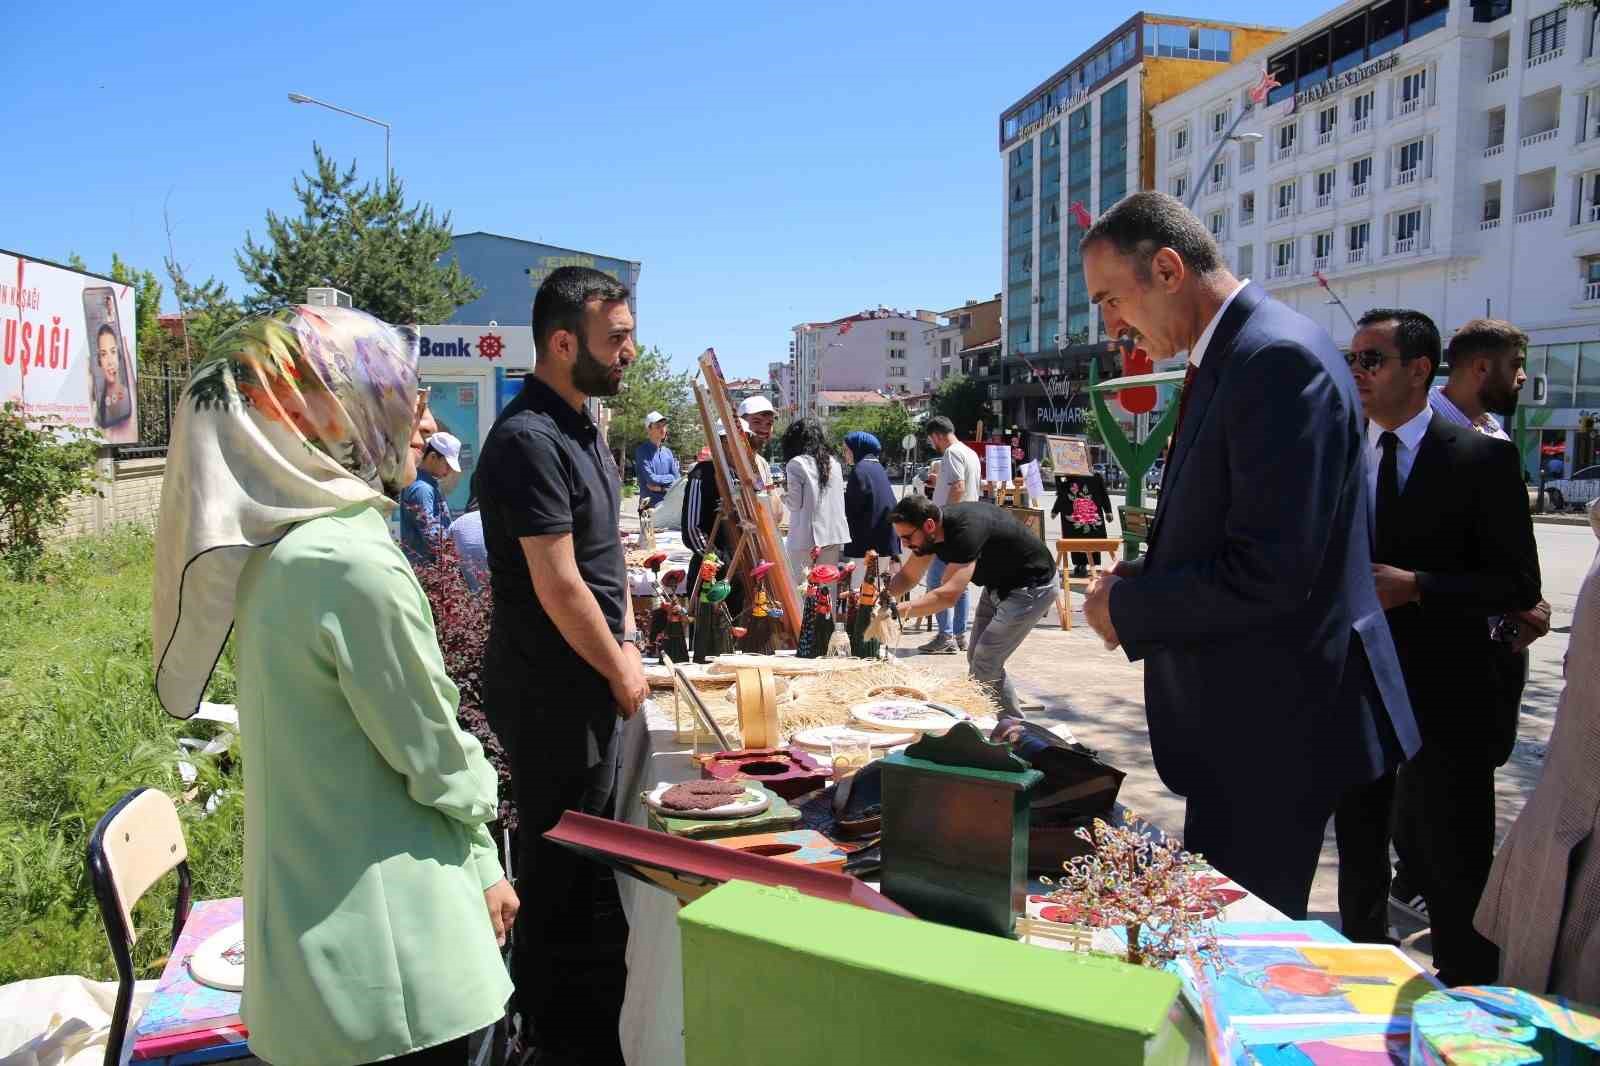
(1070, 455)
(1032, 517)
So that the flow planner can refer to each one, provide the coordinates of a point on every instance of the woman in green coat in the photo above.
(374, 898)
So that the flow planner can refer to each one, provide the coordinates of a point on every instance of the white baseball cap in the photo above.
(448, 447)
(755, 405)
(652, 418)
(722, 430)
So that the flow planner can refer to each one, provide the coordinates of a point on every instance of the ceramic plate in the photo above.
(219, 960)
(902, 715)
(822, 738)
(754, 801)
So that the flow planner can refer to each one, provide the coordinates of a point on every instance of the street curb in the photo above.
(1561, 519)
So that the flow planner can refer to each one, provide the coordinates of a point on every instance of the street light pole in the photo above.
(1222, 142)
(298, 98)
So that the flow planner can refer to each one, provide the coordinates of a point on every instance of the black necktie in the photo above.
(1388, 502)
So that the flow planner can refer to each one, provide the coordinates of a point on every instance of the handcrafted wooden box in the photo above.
(774, 977)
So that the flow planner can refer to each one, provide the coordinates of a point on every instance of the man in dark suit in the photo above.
(1271, 684)
(1453, 544)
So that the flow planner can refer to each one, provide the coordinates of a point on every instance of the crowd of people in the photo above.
(1333, 611)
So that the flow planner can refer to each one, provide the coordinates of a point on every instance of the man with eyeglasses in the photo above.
(1452, 544)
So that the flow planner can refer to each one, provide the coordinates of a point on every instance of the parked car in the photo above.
(1576, 491)
(1152, 477)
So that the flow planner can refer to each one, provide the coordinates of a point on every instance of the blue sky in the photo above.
(769, 164)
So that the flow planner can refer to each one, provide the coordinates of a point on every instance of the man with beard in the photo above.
(562, 663)
(1452, 543)
(757, 413)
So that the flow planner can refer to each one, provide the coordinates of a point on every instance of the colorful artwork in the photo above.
(1487, 1026)
(183, 1014)
(1324, 1044)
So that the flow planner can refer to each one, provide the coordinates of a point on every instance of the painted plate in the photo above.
(902, 715)
(754, 801)
(219, 960)
(822, 738)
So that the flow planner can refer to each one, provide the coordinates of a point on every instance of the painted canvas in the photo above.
(1294, 980)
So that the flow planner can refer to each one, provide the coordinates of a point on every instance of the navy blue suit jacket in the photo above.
(1269, 666)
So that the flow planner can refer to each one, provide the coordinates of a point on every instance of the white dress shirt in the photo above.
(1405, 454)
(1198, 352)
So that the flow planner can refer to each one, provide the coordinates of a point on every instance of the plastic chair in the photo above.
(135, 844)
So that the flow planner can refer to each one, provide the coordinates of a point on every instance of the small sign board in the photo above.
(908, 442)
(997, 462)
(1069, 455)
(1136, 522)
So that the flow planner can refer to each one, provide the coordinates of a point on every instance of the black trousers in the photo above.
(570, 937)
(1444, 832)
(1363, 826)
(1271, 848)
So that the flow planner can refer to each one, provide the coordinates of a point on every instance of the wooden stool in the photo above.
(1065, 546)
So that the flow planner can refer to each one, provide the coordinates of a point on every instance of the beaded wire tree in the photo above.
(1162, 897)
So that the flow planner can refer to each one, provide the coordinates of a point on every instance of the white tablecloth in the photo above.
(651, 1027)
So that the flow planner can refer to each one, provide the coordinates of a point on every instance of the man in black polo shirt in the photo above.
(562, 663)
(984, 545)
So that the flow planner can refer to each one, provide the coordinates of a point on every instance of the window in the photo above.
(1324, 250)
(1325, 183)
(1588, 198)
(1361, 113)
(944, 347)
(1408, 162)
(1247, 157)
(1408, 231)
(1283, 200)
(1547, 36)
(1180, 142)
(1219, 175)
(1360, 174)
(1283, 141)
(897, 335)
(1283, 259)
(1219, 123)
(1588, 114)
(1217, 223)
(1247, 208)
(1247, 260)
(897, 371)
(966, 321)
(1327, 120)
(1356, 238)
(1491, 205)
(1188, 42)
(1413, 90)
(1180, 187)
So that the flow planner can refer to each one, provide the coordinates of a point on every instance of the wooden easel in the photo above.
(730, 502)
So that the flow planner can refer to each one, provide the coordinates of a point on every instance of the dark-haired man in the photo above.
(562, 663)
(1271, 686)
(1453, 543)
(985, 545)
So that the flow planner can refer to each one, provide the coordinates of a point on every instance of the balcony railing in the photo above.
(1490, 223)
(1325, 200)
(1539, 138)
(1356, 256)
(1591, 291)
(1282, 270)
(1319, 264)
(1536, 216)
(1325, 137)
(1361, 125)
(1406, 177)
(1179, 151)
(1405, 245)
(1592, 213)
(1408, 107)
(1280, 152)
(1358, 191)
(1545, 57)
(1282, 211)
(1247, 220)
(1494, 150)
(1246, 165)
(1499, 75)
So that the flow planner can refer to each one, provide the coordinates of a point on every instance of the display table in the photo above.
(651, 1026)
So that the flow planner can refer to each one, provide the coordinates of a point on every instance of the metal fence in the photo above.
(158, 402)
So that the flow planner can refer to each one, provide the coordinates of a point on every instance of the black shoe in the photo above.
(1407, 899)
(941, 644)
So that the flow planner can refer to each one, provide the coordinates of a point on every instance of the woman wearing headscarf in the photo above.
(1542, 902)
(814, 494)
(868, 499)
(373, 893)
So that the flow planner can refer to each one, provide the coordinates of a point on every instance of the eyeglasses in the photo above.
(1370, 359)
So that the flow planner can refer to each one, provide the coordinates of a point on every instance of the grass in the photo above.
(81, 726)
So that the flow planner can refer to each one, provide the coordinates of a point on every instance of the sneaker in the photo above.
(1403, 897)
(961, 642)
(942, 644)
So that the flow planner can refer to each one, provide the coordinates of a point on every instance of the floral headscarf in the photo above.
(290, 416)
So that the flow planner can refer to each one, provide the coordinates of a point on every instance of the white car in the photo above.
(1575, 491)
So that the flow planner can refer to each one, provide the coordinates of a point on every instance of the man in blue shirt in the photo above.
(424, 514)
(653, 462)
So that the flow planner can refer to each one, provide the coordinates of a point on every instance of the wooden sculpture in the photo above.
(713, 627)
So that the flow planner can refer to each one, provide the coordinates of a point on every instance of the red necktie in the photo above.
(1183, 401)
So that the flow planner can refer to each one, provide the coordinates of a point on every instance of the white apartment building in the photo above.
(870, 351)
(780, 385)
(1432, 154)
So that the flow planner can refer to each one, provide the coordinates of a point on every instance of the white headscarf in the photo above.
(290, 416)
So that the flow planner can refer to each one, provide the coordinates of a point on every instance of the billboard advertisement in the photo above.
(67, 350)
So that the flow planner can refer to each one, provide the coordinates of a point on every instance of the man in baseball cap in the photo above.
(424, 513)
(757, 411)
(653, 462)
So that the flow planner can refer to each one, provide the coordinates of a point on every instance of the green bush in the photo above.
(44, 467)
(82, 726)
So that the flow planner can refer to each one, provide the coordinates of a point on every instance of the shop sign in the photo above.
(1343, 81)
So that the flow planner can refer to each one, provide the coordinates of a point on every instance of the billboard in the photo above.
(67, 347)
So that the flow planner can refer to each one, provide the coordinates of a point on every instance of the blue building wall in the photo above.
(509, 271)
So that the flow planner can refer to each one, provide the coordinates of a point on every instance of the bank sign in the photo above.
(1340, 82)
(507, 346)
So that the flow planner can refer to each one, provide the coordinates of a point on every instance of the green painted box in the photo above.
(772, 977)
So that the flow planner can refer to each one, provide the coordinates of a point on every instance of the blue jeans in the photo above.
(933, 578)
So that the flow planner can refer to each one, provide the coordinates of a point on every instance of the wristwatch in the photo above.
(629, 638)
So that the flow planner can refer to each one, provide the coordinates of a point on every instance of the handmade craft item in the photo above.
(713, 626)
(219, 960)
(861, 646)
(764, 616)
(757, 695)
(183, 1015)
(955, 830)
(1474, 1025)
(823, 738)
(669, 623)
(901, 715)
(757, 960)
(789, 772)
(817, 629)
(696, 799)
(805, 847)
(779, 814)
(692, 719)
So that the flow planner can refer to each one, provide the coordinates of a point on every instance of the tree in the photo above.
(44, 468)
(361, 239)
(889, 422)
(650, 384)
(963, 401)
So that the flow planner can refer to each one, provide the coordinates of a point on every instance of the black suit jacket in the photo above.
(1463, 527)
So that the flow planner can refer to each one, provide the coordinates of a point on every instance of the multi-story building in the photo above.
(962, 333)
(1418, 153)
(870, 351)
(780, 386)
(1083, 137)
